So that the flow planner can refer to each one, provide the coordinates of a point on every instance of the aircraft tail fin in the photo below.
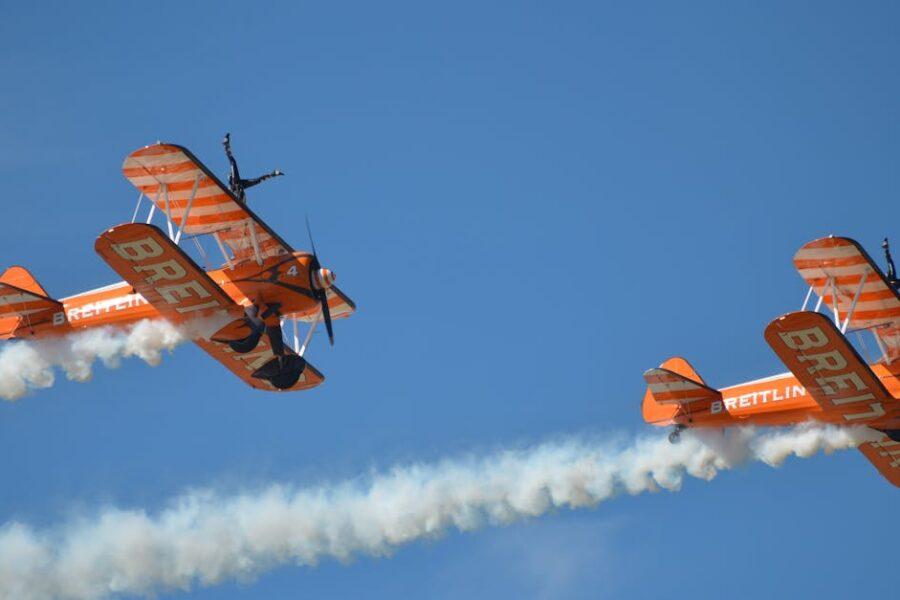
(20, 277)
(673, 388)
(24, 304)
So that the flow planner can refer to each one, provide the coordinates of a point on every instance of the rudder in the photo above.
(677, 383)
(21, 278)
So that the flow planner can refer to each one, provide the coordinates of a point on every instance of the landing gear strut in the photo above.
(675, 435)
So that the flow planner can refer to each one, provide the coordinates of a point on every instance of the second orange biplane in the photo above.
(828, 381)
(263, 285)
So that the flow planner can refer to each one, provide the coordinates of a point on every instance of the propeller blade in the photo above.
(326, 316)
(311, 242)
(314, 266)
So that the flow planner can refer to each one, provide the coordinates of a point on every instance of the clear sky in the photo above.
(531, 204)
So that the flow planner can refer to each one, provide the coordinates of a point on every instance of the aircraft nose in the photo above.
(324, 278)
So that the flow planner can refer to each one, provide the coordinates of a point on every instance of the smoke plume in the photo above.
(29, 365)
(204, 537)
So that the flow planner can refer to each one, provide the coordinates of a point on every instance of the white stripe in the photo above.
(849, 289)
(202, 192)
(762, 380)
(19, 298)
(23, 313)
(827, 253)
(105, 288)
(198, 211)
(844, 304)
(155, 160)
(674, 386)
(149, 179)
(828, 271)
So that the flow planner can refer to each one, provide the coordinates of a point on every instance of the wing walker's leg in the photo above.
(235, 175)
(234, 178)
(892, 270)
(248, 183)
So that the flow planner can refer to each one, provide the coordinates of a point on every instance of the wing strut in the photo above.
(254, 241)
(137, 207)
(222, 249)
(187, 209)
(862, 282)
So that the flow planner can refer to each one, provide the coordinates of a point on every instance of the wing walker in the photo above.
(263, 285)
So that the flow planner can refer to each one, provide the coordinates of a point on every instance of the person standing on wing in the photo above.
(892, 270)
(235, 182)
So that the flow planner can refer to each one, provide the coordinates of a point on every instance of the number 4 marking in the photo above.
(292, 271)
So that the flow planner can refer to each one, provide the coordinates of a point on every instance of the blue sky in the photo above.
(531, 203)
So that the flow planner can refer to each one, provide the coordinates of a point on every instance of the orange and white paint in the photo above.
(827, 382)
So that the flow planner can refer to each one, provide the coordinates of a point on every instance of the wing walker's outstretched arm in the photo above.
(235, 182)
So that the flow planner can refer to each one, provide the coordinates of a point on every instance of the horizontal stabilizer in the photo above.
(20, 277)
(668, 387)
(23, 303)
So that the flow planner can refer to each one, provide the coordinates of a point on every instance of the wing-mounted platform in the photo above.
(849, 282)
(247, 365)
(830, 369)
(196, 202)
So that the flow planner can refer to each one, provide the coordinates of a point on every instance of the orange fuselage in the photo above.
(772, 401)
(280, 280)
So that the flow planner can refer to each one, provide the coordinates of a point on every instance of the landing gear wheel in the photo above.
(675, 435)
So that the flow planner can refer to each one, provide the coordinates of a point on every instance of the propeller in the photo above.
(320, 280)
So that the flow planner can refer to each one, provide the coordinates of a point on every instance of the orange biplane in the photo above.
(828, 380)
(263, 285)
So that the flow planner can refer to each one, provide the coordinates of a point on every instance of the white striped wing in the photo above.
(834, 267)
(170, 176)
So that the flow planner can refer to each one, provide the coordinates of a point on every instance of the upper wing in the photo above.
(822, 359)
(836, 264)
(178, 183)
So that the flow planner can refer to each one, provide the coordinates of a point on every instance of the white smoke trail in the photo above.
(29, 365)
(204, 537)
